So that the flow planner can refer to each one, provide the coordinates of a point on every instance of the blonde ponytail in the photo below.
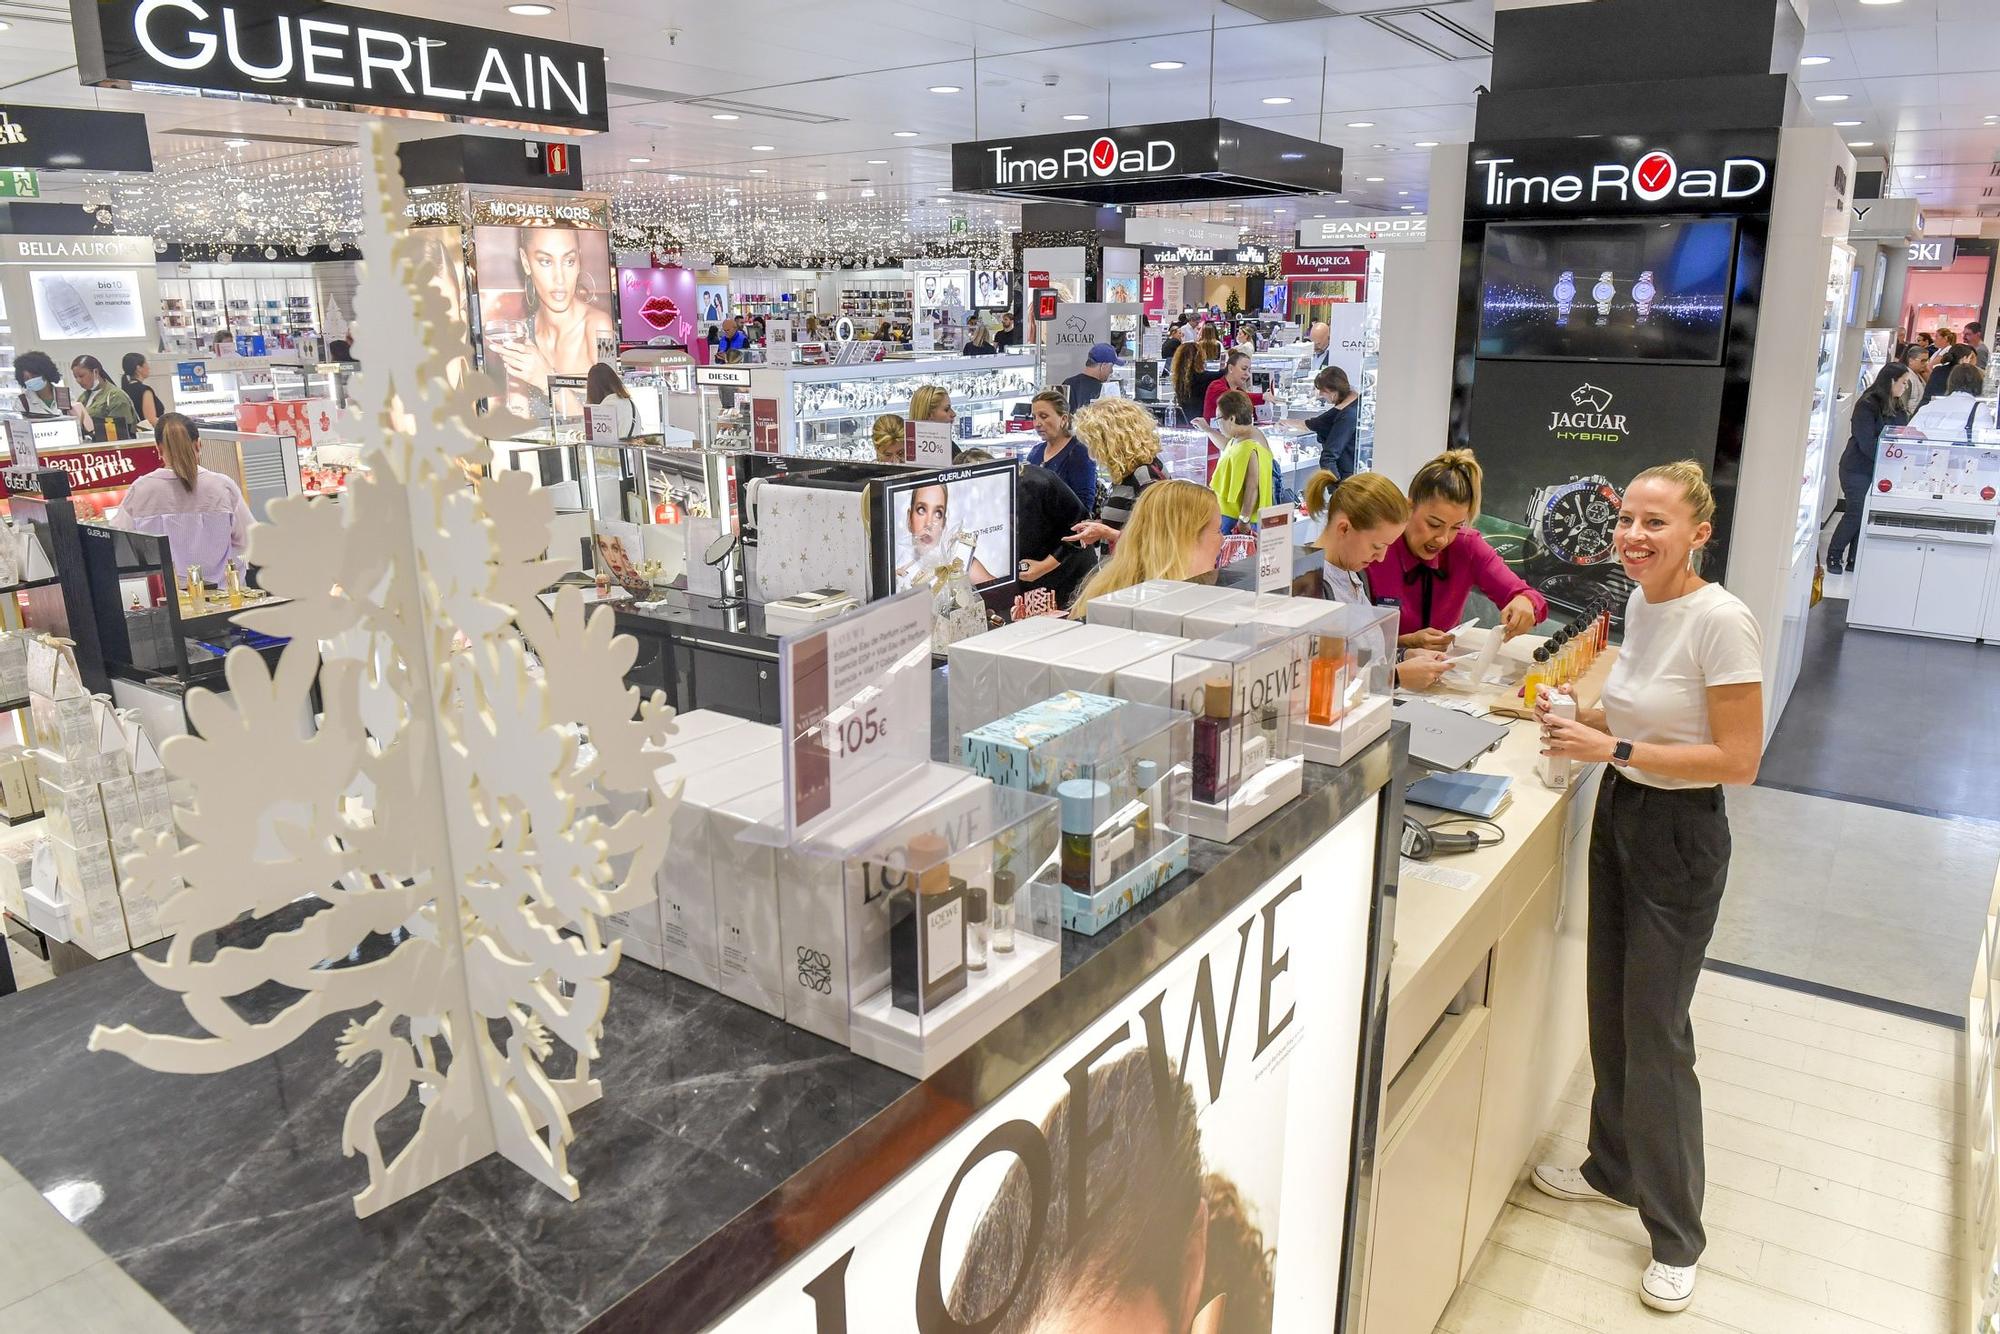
(1368, 499)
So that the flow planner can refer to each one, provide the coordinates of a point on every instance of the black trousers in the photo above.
(1658, 860)
(1854, 480)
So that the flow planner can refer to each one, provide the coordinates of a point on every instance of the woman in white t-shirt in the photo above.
(1682, 716)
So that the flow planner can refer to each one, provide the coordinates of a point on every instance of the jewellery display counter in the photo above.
(829, 411)
(1929, 562)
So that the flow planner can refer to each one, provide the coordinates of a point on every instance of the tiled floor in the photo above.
(1832, 1143)
(54, 1280)
(1879, 902)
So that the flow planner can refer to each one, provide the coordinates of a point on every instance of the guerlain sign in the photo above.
(338, 55)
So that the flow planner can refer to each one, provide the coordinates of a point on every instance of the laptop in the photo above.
(1445, 739)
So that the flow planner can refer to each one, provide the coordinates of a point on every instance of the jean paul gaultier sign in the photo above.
(1622, 175)
(338, 55)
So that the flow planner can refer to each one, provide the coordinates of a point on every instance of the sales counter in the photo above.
(730, 1150)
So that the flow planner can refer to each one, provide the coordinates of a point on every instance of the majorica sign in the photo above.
(339, 55)
(1614, 175)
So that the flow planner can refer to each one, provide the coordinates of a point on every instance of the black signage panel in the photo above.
(1560, 442)
(339, 55)
(1619, 175)
(1172, 161)
(1205, 257)
(70, 139)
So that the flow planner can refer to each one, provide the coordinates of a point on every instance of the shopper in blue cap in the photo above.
(1084, 387)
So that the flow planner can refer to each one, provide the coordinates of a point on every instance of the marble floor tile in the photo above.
(102, 1299)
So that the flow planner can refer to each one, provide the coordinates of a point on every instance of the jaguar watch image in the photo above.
(1575, 521)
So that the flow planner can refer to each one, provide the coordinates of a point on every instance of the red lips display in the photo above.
(660, 312)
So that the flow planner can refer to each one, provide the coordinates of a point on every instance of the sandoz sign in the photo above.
(1613, 175)
(1102, 157)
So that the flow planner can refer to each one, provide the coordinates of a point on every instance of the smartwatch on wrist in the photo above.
(1621, 753)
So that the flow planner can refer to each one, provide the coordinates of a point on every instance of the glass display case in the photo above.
(1350, 675)
(1878, 348)
(1826, 395)
(1929, 556)
(830, 411)
(1246, 762)
(1184, 455)
(161, 623)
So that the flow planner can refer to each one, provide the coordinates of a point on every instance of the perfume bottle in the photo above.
(978, 928)
(1217, 744)
(1327, 699)
(927, 930)
(1538, 676)
(197, 594)
(232, 582)
(1081, 799)
(1003, 911)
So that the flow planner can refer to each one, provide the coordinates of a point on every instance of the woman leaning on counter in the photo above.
(1682, 716)
(1441, 559)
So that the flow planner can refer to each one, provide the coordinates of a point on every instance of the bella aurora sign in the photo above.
(361, 59)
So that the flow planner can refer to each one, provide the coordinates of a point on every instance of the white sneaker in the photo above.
(1567, 1183)
(1667, 1287)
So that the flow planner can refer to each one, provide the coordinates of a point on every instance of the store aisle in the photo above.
(1877, 902)
(1832, 1137)
(1894, 720)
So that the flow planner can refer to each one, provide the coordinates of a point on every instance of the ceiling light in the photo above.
(1277, 101)
(532, 11)
(1291, 157)
(1373, 180)
(235, 143)
(867, 194)
(1881, 2)
(1361, 125)
(1340, 201)
(763, 148)
(1402, 192)
(1319, 215)
(1075, 115)
(722, 115)
(1861, 143)
(1815, 60)
(671, 177)
(760, 171)
(4, 25)
(945, 88)
(905, 134)
(878, 162)
(638, 161)
(1426, 143)
(1831, 97)
(1846, 124)
(1169, 64)
(1408, 206)
(1922, 177)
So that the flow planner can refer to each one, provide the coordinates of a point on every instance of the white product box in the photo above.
(1165, 680)
(744, 913)
(1115, 608)
(13, 895)
(802, 897)
(13, 665)
(90, 892)
(977, 663)
(1028, 677)
(46, 912)
(75, 814)
(1091, 668)
(17, 788)
(1340, 743)
(156, 804)
(1275, 784)
(120, 800)
(1279, 609)
(746, 758)
(1167, 614)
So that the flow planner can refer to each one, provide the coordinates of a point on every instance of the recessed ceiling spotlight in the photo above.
(1922, 176)
(1402, 192)
(1815, 60)
(1861, 143)
(1075, 115)
(1408, 206)
(1361, 125)
(819, 194)
(1373, 180)
(1831, 97)
(723, 115)
(1378, 146)
(1881, 2)
(1426, 143)
(1169, 64)
(1319, 215)
(532, 11)
(235, 143)
(878, 162)
(945, 88)
(1846, 124)
(905, 134)
(638, 161)
(760, 171)
(867, 194)
(763, 148)
(1291, 157)
(1340, 201)
(1277, 101)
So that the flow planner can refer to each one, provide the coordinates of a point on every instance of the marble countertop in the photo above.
(726, 1141)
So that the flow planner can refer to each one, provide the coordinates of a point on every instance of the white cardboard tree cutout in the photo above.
(441, 791)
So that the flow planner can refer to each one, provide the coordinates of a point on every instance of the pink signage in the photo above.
(1324, 263)
(1153, 295)
(657, 306)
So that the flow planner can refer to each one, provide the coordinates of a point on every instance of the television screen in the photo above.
(1607, 291)
(990, 289)
(963, 514)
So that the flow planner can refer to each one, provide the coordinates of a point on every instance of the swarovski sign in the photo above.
(1612, 175)
(360, 59)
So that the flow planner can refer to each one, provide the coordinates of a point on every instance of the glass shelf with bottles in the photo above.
(1184, 454)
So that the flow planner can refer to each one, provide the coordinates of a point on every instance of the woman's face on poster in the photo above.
(554, 266)
(928, 510)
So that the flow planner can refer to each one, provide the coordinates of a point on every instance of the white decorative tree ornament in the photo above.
(447, 789)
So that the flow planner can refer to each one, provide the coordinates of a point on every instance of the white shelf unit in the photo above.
(878, 299)
(830, 411)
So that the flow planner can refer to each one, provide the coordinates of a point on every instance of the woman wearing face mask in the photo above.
(38, 377)
(102, 405)
(1682, 716)
(1441, 559)
(1060, 451)
(1363, 516)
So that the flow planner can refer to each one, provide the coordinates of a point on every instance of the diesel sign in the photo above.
(1614, 175)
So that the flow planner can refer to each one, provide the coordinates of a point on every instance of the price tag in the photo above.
(927, 444)
(1274, 549)
(600, 424)
(855, 702)
(21, 443)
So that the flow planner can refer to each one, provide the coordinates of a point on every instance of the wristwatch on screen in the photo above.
(1621, 753)
(1575, 521)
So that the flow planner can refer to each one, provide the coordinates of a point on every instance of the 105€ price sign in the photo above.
(855, 707)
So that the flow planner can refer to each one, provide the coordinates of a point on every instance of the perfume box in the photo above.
(1029, 676)
(96, 915)
(1091, 668)
(1115, 609)
(75, 814)
(1165, 680)
(730, 763)
(1168, 613)
(976, 666)
(734, 925)
(1088, 913)
(1021, 749)
(1278, 609)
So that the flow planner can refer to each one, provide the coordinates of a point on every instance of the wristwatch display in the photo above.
(1575, 521)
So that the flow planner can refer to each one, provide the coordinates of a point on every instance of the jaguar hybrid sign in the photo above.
(1622, 175)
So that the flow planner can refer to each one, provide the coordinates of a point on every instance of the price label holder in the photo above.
(1274, 549)
(928, 444)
